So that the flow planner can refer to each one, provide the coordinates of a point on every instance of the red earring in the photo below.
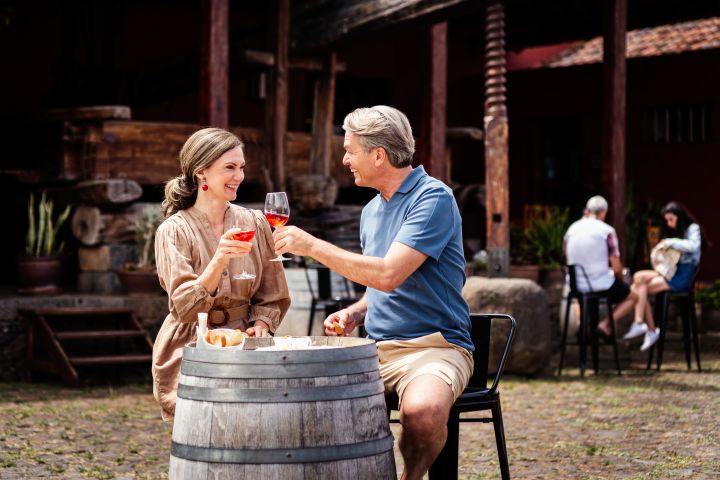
(204, 185)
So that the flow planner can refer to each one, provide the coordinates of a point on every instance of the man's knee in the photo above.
(426, 412)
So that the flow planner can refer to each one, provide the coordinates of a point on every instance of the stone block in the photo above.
(105, 258)
(527, 302)
(98, 282)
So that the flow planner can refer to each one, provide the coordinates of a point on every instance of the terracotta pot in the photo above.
(39, 274)
(136, 282)
(529, 272)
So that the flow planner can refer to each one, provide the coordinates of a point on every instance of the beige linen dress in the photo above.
(184, 245)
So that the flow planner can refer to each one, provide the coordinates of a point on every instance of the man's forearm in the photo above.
(365, 270)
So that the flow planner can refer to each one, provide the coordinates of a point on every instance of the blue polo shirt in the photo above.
(423, 215)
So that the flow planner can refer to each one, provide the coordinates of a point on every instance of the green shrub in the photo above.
(709, 296)
(543, 237)
(42, 234)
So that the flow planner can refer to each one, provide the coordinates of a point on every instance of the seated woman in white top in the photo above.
(683, 234)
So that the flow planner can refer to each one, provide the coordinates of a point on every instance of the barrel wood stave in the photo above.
(323, 435)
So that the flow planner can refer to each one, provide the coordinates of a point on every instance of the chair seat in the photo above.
(476, 399)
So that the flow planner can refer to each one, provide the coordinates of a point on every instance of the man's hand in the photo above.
(292, 240)
(340, 323)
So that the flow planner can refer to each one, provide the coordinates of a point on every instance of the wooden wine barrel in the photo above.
(316, 413)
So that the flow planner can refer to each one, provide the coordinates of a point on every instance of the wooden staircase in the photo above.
(59, 340)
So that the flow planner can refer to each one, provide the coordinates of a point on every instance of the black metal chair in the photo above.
(322, 297)
(476, 397)
(686, 302)
(589, 312)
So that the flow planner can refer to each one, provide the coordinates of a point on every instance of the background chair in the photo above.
(476, 397)
(686, 303)
(589, 312)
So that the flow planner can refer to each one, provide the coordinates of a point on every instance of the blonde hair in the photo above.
(199, 152)
(386, 127)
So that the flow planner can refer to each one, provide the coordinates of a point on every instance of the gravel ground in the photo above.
(638, 425)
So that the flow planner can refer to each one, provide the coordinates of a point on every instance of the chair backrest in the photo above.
(572, 276)
(480, 335)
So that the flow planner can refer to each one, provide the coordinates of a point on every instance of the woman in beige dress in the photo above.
(197, 258)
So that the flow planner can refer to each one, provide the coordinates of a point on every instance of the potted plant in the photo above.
(709, 298)
(542, 242)
(40, 269)
(478, 265)
(523, 262)
(141, 276)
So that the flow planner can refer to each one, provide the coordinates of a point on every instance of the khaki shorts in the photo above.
(401, 361)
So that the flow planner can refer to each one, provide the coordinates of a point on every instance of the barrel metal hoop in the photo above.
(325, 453)
(279, 357)
(279, 394)
(234, 370)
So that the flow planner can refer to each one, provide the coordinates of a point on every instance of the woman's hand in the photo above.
(229, 248)
(259, 329)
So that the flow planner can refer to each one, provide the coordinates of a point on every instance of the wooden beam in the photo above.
(277, 105)
(439, 168)
(105, 112)
(614, 113)
(214, 71)
(323, 115)
(267, 59)
(497, 196)
(257, 57)
(471, 133)
(320, 23)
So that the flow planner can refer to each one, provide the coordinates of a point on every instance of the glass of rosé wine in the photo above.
(243, 233)
(277, 212)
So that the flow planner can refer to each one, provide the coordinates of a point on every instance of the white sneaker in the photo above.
(650, 339)
(636, 329)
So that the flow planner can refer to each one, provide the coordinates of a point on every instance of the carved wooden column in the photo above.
(214, 71)
(496, 144)
(438, 102)
(614, 108)
(323, 114)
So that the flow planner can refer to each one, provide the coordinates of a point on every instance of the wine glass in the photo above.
(243, 233)
(277, 212)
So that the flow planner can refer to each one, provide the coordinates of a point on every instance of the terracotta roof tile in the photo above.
(647, 42)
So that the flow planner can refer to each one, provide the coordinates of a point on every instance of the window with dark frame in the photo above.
(676, 124)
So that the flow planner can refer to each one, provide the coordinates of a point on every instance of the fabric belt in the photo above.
(220, 316)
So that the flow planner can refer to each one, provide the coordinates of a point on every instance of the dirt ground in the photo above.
(638, 425)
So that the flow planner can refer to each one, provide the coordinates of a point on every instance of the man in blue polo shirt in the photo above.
(413, 266)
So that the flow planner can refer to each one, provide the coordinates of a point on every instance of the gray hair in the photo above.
(385, 127)
(596, 204)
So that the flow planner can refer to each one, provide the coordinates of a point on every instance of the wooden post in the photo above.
(497, 198)
(614, 108)
(323, 114)
(214, 71)
(438, 102)
(277, 107)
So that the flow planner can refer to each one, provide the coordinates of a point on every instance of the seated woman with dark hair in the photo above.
(682, 233)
